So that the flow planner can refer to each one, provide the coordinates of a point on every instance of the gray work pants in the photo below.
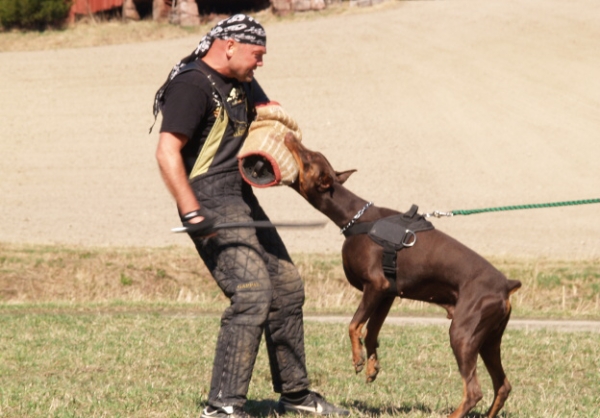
(254, 270)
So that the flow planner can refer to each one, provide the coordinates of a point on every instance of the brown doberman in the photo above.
(432, 268)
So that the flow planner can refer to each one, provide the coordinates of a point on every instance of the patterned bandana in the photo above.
(241, 28)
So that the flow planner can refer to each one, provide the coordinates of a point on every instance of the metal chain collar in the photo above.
(356, 217)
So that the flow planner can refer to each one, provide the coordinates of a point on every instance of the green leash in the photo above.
(439, 214)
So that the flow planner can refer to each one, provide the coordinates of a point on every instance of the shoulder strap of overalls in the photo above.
(209, 149)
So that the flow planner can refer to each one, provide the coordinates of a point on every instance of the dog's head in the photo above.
(315, 174)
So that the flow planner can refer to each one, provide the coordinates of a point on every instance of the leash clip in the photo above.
(438, 214)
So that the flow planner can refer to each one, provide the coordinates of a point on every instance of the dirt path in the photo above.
(446, 104)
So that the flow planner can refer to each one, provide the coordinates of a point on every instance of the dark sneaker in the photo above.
(224, 412)
(313, 403)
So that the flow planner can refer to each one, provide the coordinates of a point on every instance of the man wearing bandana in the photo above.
(208, 102)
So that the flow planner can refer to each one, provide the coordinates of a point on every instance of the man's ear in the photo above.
(230, 47)
(342, 176)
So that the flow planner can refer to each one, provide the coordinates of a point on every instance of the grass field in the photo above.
(132, 364)
(102, 332)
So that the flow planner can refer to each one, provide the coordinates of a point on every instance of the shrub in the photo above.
(33, 14)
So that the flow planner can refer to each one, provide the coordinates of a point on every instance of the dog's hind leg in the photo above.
(490, 354)
(465, 347)
(371, 343)
(477, 327)
(467, 362)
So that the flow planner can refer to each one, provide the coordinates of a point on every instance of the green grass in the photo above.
(132, 364)
(130, 332)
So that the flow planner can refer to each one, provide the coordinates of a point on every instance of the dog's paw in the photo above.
(373, 368)
(359, 363)
(359, 366)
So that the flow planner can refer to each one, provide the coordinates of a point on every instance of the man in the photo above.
(207, 104)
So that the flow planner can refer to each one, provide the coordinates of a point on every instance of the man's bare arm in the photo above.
(172, 169)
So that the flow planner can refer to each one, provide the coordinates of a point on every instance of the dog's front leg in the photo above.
(371, 338)
(368, 303)
(358, 357)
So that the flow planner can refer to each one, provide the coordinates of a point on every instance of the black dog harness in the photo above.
(393, 234)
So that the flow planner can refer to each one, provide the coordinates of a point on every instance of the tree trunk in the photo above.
(185, 13)
(129, 11)
(161, 9)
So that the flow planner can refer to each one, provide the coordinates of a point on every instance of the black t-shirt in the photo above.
(193, 104)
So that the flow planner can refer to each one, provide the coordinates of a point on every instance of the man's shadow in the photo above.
(254, 408)
(268, 408)
(262, 408)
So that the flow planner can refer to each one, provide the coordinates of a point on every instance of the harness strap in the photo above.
(389, 264)
(357, 229)
(411, 213)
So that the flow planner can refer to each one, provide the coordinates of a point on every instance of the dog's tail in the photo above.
(513, 286)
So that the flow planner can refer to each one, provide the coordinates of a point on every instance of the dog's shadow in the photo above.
(406, 409)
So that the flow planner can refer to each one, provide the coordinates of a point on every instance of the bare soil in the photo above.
(446, 104)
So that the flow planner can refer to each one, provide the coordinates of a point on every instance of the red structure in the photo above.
(85, 7)
(186, 12)
(129, 8)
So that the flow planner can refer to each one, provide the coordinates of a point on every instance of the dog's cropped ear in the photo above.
(342, 176)
(325, 182)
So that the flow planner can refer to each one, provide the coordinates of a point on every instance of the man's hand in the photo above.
(199, 223)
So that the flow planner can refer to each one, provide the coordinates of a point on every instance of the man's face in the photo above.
(244, 59)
